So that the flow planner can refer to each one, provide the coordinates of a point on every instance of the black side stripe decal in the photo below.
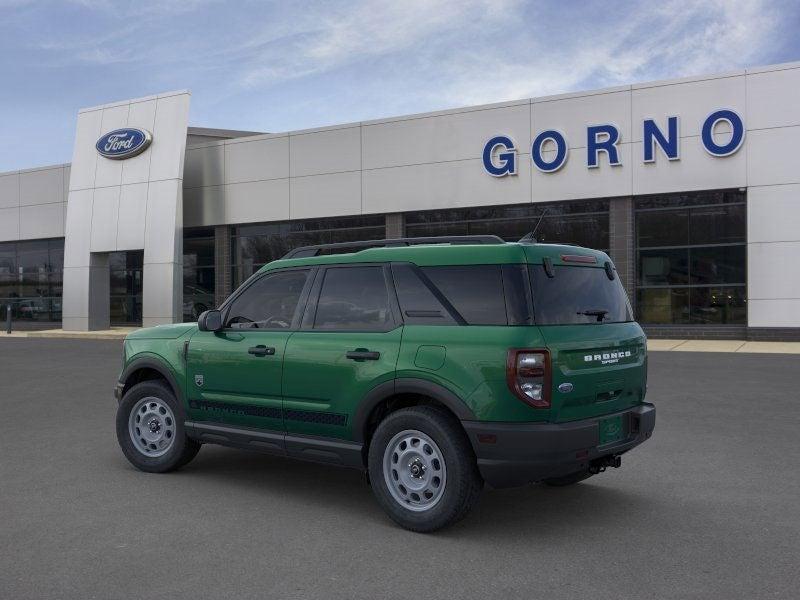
(271, 412)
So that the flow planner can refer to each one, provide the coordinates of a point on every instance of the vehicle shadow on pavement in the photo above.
(511, 512)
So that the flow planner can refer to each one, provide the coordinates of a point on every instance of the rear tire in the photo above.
(422, 469)
(570, 479)
(150, 429)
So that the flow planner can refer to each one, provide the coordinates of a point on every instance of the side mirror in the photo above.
(210, 320)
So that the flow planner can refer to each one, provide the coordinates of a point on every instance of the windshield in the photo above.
(578, 295)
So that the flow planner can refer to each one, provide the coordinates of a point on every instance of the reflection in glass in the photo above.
(30, 280)
(718, 306)
(692, 258)
(584, 223)
(126, 287)
(255, 245)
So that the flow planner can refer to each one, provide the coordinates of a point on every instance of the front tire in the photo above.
(150, 429)
(422, 468)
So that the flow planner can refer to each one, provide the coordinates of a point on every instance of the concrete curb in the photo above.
(115, 333)
(738, 346)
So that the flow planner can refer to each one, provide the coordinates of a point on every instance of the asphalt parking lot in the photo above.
(709, 508)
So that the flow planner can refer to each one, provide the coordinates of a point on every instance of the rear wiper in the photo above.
(599, 313)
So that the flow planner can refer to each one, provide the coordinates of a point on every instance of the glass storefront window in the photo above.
(255, 245)
(584, 223)
(126, 287)
(198, 272)
(692, 258)
(30, 280)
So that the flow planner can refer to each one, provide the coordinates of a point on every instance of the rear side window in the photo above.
(353, 298)
(418, 302)
(578, 295)
(475, 291)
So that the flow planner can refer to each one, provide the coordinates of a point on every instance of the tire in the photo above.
(164, 446)
(430, 435)
(570, 479)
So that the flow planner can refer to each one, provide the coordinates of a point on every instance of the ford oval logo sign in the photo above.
(123, 143)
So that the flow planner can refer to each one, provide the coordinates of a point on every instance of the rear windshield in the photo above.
(577, 295)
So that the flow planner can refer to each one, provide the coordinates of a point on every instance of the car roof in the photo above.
(450, 254)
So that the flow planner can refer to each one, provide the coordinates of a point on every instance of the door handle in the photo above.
(363, 355)
(261, 350)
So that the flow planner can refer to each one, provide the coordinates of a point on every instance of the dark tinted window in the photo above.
(417, 302)
(476, 292)
(577, 222)
(354, 298)
(718, 264)
(575, 291)
(268, 303)
(692, 257)
(255, 245)
(665, 266)
(518, 295)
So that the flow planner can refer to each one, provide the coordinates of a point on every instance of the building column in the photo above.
(621, 243)
(86, 300)
(222, 263)
(395, 226)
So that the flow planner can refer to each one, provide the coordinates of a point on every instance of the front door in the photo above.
(235, 375)
(348, 343)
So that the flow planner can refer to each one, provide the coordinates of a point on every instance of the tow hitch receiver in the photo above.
(601, 464)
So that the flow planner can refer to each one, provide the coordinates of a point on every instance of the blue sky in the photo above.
(276, 66)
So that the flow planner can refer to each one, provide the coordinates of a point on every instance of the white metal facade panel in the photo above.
(257, 201)
(325, 151)
(691, 101)
(443, 138)
(325, 195)
(9, 190)
(9, 223)
(571, 115)
(133, 204)
(259, 160)
(773, 99)
(43, 186)
(441, 185)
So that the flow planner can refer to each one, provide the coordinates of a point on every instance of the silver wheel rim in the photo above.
(151, 426)
(414, 470)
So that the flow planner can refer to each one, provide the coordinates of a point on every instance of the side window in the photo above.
(418, 303)
(476, 292)
(353, 298)
(269, 303)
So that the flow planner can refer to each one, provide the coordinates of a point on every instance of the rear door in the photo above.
(597, 351)
(348, 343)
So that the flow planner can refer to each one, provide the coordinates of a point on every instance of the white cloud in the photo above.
(325, 39)
(673, 40)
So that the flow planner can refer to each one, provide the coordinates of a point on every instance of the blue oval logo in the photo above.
(565, 388)
(123, 143)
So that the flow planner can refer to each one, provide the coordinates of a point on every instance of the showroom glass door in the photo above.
(126, 287)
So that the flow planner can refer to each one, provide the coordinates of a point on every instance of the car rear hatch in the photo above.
(597, 352)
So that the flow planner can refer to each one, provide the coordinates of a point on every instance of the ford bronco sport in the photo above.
(434, 365)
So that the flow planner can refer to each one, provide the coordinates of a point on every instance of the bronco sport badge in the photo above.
(608, 358)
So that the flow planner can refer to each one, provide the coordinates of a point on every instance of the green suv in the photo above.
(435, 365)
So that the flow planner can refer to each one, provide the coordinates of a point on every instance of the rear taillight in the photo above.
(528, 376)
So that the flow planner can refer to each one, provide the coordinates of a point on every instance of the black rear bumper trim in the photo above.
(524, 453)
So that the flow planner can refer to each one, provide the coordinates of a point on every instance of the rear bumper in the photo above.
(513, 454)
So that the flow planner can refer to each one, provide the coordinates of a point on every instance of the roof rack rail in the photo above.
(307, 251)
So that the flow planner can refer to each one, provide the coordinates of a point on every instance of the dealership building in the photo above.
(692, 186)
